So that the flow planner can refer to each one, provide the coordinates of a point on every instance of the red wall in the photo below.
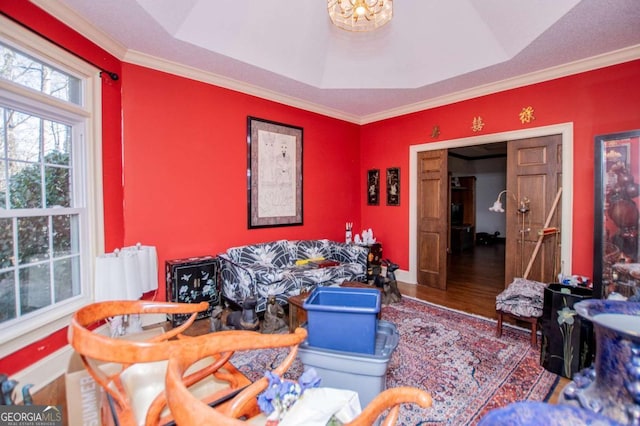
(597, 102)
(185, 165)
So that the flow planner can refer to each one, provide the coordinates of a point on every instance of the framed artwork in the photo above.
(274, 173)
(373, 187)
(393, 186)
(616, 267)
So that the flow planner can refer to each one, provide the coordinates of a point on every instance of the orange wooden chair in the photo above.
(133, 372)
(189, 410)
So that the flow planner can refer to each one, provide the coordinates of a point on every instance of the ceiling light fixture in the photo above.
(360, 15)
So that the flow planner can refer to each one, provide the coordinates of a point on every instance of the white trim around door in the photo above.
(564, 129)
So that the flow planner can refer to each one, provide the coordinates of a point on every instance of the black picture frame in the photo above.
(373, 187)
(274, 174)
(393, 186)
(616, 223)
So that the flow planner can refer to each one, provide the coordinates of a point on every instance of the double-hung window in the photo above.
(50, 188)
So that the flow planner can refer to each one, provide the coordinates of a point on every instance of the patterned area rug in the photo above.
(454, 356)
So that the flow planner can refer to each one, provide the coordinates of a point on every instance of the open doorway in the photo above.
(476, 258)
(564, 132)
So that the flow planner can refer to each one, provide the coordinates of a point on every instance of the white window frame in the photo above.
(88, 191)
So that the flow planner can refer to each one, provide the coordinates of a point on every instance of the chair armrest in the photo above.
(391, 399)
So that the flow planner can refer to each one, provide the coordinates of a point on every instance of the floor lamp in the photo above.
(523, 208)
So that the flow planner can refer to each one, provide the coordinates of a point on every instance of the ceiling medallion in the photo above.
(477, 124)
(526, 115)
(360, 15)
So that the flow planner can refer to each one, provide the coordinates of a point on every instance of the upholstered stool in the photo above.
(522, 300)
(531, 320)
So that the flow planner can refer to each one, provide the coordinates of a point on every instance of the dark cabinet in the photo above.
(192, 280)
(568, 343)
(462, 223)
(374, 260)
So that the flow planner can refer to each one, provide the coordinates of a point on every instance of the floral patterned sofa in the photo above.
(278, 268)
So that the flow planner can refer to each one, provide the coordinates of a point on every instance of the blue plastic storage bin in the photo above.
(365, 374)
(343, 318)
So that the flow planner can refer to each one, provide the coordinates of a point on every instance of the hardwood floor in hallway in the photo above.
(474, 278)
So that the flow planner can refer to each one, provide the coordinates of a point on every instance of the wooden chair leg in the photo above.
(534, 332)
(499, 325)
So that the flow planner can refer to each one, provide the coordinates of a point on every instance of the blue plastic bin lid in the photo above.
(387, 339)
(343, 299)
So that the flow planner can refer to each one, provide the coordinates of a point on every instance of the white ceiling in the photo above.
(432, 52)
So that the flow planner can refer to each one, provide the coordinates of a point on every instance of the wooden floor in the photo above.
(474, 278)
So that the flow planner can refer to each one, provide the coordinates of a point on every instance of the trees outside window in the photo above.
(48, 219)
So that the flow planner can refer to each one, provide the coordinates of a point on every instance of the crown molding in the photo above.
(589, 64)
(69, 17)
(159, 64)
(82, 26)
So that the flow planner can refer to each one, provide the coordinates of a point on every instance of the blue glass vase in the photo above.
(612, 385)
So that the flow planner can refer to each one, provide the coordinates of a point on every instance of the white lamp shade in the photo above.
(497, 207)
(127, 274)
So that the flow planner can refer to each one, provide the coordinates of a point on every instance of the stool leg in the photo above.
(499, 326)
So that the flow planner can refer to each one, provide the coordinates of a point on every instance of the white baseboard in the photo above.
(404, 276)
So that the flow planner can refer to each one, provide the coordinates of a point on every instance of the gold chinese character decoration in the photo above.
(478, 124)
(526, 115)
(435, 132)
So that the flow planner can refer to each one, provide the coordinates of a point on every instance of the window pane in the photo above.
(58, 186)
(3, 129)
(65, 235)
(35, 288)
(57, 143)
(6, 243)
(7, 296)
(3, 184)
(46, 166)
(25, 187)
(34, 74)
(66, 278)
(23, 136)
(33, 239)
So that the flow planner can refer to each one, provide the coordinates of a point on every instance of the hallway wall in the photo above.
(490, 180)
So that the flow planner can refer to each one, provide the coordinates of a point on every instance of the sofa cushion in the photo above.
(310, 249)
(275, 253)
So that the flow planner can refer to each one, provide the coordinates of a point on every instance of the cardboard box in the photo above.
(84, 396)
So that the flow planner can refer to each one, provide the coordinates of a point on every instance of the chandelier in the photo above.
(360, 15)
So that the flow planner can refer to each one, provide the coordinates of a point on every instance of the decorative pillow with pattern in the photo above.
(312, 249)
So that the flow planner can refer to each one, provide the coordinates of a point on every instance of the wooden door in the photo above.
(534, 171)
(433, 218)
